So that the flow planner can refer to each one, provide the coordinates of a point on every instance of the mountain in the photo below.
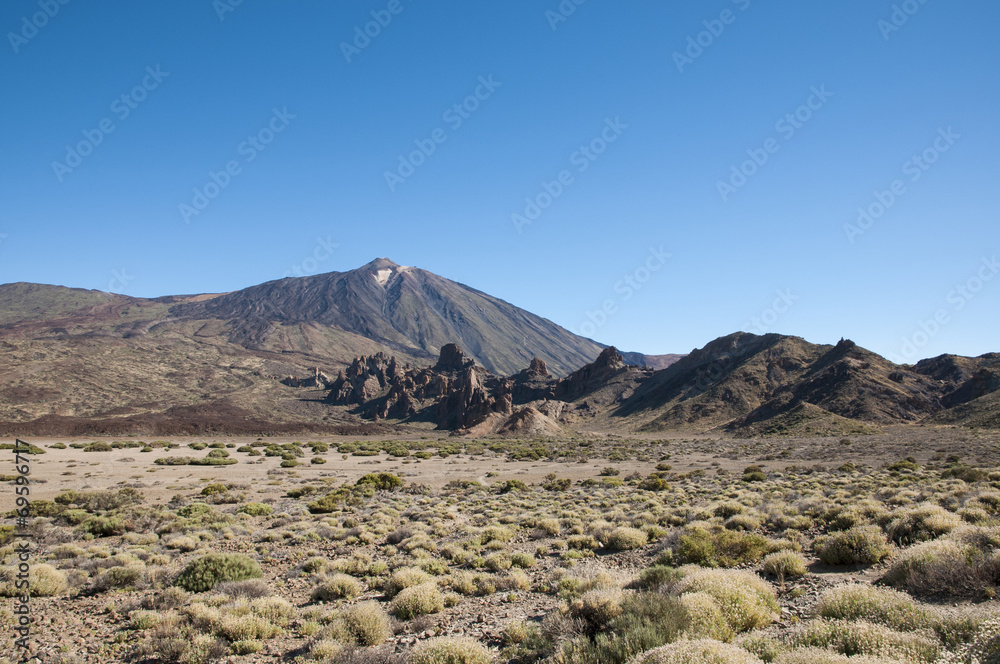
(387, 346)
(75, 357)
(744, 379)
(742, 384)
(405, 309)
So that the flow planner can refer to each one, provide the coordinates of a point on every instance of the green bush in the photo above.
(331, 502)
(654, 483)
(860, 545)
(120, 576)
(194, 510)
(656, 576)
(509, 486)
(213, 489)
(173, 461)
(202, 574)
(212, 461)
(104, 526)
(647, 620)
(381, 481)
(721, 548)
(255, 509)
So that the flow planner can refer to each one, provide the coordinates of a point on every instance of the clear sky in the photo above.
(582, 161)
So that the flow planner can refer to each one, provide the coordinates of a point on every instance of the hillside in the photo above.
(741, 384)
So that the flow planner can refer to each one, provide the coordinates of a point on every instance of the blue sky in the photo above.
(625, 123)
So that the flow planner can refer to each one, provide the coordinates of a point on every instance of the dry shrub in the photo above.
(921, 524)
(365, 624)
(43, 581)
(597, 607)
(246, 627)
(945, 567)
(882, 606)
(246, 589)
(338, 586)
(820, 656)
(451, 650)
(705, 617)
(417, 601)
(860, 637)
(403, 578)
(784, 564)
(625, 538)
(983, 648)
(746, 600)
(701, 651)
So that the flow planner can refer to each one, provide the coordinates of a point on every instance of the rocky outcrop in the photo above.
(456, 394)
(595, 375)
(366, 378)
(452, 359)
(318, 379)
